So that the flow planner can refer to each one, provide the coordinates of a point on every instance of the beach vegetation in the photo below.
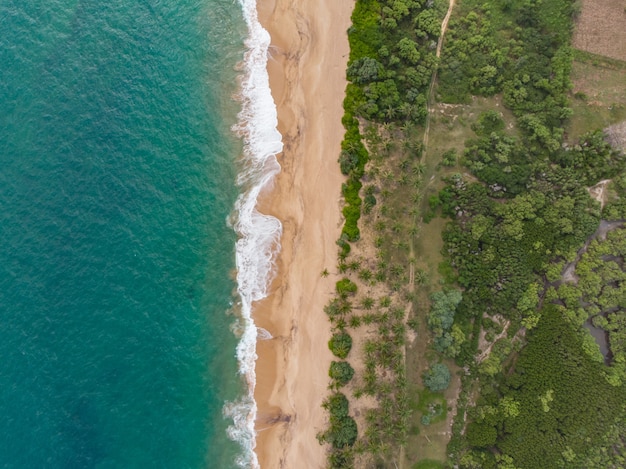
(341, 373)
(342, 432)
(345, 287)
(340, 344)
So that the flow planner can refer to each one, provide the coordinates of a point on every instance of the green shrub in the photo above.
(343, 432)
(348, 161)
(340, 344)
(341, 372)
(481, 435)
(345, 247)
(343, 429)
(345, 286)
(437, 378)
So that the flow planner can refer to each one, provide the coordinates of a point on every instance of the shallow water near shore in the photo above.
(118, 177)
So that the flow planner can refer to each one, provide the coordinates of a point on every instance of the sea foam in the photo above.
(259, 234)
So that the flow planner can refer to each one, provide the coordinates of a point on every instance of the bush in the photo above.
(437, 378)
(341, 372)
(337, 405)
(481, 435)
(343, 429)
(343, 432)
(345, 286)
(348, 161)
(340, 344)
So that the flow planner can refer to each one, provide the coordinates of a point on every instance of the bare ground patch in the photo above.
(616, 135)
(601, 28)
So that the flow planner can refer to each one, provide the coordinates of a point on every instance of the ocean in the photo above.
(135, 137)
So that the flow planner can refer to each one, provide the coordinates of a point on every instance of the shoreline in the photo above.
(309, 49)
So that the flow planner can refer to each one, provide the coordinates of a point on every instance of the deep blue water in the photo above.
(116, 179)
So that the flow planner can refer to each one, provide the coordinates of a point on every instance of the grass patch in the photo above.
(432, 404)
(598, 60)
(429, 464)
(598, 98)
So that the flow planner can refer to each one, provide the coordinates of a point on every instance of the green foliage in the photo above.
(601, 290)
(341, 372)
(442, 309)
(448, 338)
(559, 404)
(487, 123)
(392, 64)
(474, 57)
(520, 48)
(340, 344)
(592, 159)
(337, 405)
(500, 161)
(348, 161)
(449, 158)
(351, 210)
(498, 249)
(432, 406)
(343, 429)
(437, 378)
(364, 35)
(365, 70)
(345, 286)
(557, 387)
(481, 435)
(352, 161)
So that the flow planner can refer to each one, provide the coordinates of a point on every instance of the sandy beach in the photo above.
(307, 77)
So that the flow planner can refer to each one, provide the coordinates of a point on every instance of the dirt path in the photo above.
(599, 192)
(487, 351)
(433, 80)
(431, 90)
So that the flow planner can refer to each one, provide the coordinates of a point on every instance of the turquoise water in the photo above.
(116, 180)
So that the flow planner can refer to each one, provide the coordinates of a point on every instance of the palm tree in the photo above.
(390, 112)
(421, 276)
(418, 169)
(397, 270)
(365, 274)
(355, 321)
(367, 303)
